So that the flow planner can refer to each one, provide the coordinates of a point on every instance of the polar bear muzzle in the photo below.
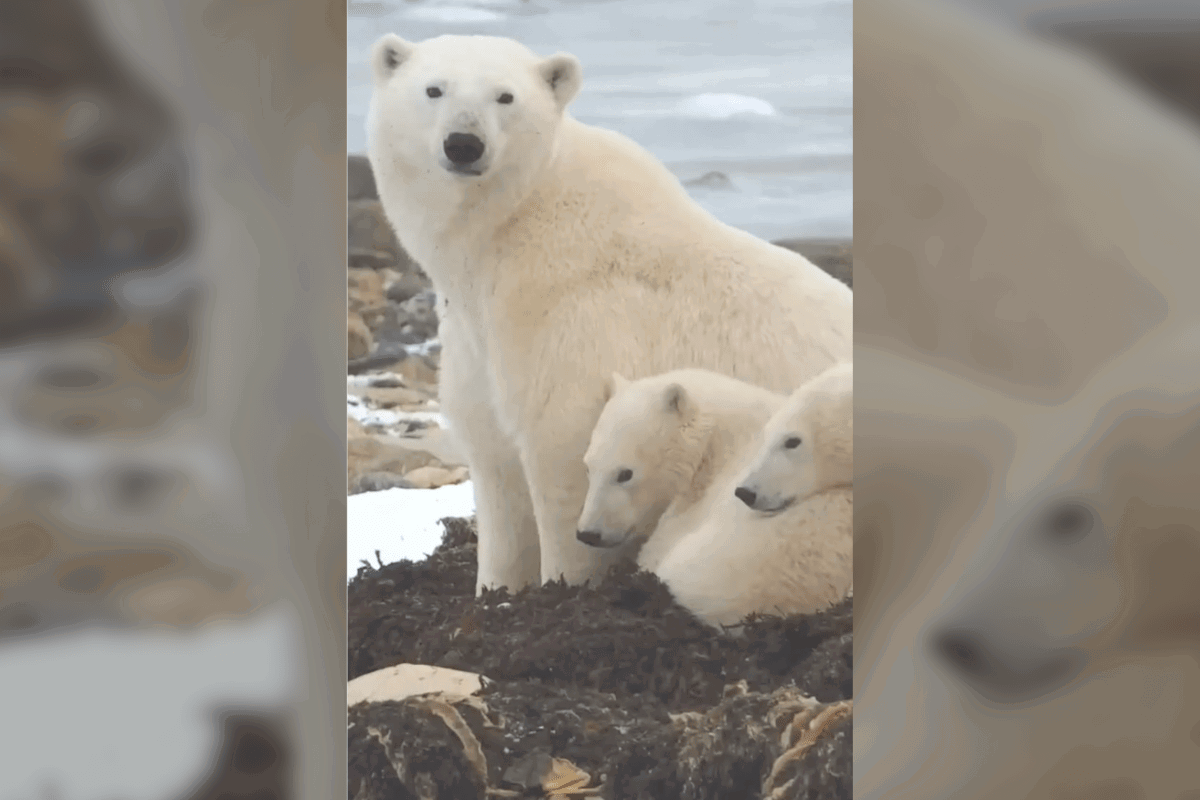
(464, 151)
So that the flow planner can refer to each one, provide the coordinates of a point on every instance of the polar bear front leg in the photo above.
(552, 452)
(508, 540)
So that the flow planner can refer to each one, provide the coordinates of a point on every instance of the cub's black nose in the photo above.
(1010, 671)
(588, 537)
(463, 148)
(745, 495)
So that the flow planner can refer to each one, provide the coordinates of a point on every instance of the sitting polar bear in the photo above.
(795, 555)
(561, 253)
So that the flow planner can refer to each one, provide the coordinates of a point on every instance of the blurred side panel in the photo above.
(172, 499)
(1027, 520)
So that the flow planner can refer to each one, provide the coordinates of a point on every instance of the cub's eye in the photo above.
(792, 443)
(433, 91)
(505, 98)
(624, 475)
(1070, 521)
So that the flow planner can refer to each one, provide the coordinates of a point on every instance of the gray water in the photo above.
(759, 90)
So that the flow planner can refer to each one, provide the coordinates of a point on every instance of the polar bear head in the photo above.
(642, 454)
(466, 109)
(808, 444)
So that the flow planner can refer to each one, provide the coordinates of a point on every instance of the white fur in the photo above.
(678, 434)
(795, 560)
(786, 468)
(573, 254)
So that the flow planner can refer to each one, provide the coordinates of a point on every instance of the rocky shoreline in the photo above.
(612, 691)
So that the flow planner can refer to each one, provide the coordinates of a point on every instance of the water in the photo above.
(760, 91)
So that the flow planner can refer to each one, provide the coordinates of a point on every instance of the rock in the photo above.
(407, 680)
(399, 396)
(407, 286)
(432, 477)
(373, 454)
(358, 337)
(370, 233)
(614, 680)
(387, 357)
(417, 371)
(712, 180)
(411, 322)
(835, 256)
(376, 482)
(360, 180)
(359, 258)
(364, 290)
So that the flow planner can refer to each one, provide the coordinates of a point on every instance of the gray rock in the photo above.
(377, 482)
(712, 180)
(360, 181)
(407, 287)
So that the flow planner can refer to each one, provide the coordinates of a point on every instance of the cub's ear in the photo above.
(564, 75)
(615, 383)
(388, 53)
(677, 400)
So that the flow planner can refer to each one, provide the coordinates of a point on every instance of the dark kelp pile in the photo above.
(615, 681)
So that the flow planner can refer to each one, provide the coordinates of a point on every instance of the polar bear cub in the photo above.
(807, 447)
(781, 542)
(659, 445)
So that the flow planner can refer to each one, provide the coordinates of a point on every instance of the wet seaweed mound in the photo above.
(611, 691)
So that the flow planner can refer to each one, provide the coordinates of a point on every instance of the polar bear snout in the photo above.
(590, 538)
(1001, 670)
(464, 150)
(747, 496)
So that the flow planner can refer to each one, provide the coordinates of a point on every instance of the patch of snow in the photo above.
(401, 523)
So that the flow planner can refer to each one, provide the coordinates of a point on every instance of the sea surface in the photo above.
(758, 91)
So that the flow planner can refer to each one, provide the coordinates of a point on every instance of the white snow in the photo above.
(401, 523)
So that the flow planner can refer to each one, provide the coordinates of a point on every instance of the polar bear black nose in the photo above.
(745, 495)
(1005, 674)
(588, 537)
(463, 148)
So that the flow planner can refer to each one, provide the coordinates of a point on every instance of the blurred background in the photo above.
(1027, 525)
(171, 505)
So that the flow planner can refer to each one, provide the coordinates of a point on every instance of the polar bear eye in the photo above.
(792, 443)
(505, 98)
(1069, 521)
(624, 476)
(433, 91)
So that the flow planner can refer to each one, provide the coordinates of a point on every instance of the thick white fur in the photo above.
(679, 434)
(793, 561)
(814, 420)
(574, 254)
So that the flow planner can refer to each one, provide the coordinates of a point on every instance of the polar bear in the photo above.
(787, 546)
(661, 443)
(817, 419)
(562, 253)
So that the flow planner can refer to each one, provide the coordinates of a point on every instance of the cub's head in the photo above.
(466, 108)
(808, 445)
(640, 458)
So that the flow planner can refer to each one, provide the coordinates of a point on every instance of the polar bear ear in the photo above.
(564, 75)
(677, 400)
(389, 52)
(616, 382)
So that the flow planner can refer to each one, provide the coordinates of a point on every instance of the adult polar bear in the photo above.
(563, 253)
